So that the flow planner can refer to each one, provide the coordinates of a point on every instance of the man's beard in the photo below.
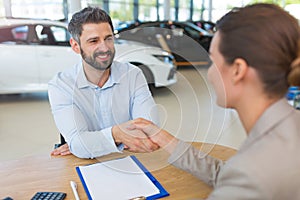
(98, 65)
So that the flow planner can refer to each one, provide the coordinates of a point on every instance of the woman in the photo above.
(254, 51)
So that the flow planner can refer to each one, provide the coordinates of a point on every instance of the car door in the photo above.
(54, 52)
(19, 69)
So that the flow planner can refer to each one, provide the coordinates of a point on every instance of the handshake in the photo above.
(138, 135)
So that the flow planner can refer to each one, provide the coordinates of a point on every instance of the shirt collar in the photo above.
(113, 79)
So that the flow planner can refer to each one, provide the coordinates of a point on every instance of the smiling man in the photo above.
(93, 102)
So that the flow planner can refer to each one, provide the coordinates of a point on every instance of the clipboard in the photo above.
(90, 176)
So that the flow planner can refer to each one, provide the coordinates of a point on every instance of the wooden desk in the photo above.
(21, 179)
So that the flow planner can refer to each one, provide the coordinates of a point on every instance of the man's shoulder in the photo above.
(124, 65)
(65, 76)
(126, 74)
(125, 68)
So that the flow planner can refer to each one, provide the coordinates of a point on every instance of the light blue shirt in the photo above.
(85, 113)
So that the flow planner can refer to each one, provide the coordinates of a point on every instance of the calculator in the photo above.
(49, 196)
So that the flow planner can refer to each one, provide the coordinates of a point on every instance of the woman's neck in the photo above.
(251, 109)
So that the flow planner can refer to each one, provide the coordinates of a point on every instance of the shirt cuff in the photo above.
(108, 135)
(120, 147)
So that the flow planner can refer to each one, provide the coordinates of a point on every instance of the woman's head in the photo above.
(267, 38)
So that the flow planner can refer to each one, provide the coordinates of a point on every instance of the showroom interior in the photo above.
(187, 108)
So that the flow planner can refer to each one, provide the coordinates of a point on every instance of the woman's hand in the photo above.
(159, 136)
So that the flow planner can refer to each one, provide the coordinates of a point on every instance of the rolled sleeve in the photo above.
(83, 144)
(143, 104)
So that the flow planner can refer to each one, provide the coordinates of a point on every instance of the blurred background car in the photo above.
(206, 25)
(187, 42)
(33, 51)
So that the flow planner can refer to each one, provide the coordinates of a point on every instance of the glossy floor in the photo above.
(187, 110)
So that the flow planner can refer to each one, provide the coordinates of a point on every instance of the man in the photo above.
(93, 102)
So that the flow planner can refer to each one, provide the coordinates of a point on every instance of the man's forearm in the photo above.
(93, 144)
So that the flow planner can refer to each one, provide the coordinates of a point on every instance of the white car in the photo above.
(33, 51)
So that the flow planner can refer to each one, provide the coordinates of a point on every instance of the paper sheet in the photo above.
(117, 179)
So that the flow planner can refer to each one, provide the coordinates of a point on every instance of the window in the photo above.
(20, 33)
(121, 10)
(60, 34)
(147, 10)
(43, 9)
(192, 32)
(14, 35)
(184, 10)
(52, 35)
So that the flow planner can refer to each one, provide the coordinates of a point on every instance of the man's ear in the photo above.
(75, 46)
(239, 70)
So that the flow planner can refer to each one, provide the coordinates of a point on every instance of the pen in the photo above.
(138, 198)
(74, 188)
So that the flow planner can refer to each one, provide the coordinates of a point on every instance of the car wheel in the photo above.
(148, 75)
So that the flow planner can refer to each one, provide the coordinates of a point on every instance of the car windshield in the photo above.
(196, 28)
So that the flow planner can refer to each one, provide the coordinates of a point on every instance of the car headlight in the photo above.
(167, 58)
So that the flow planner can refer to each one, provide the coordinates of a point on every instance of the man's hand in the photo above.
(133, 139)
(62, 150)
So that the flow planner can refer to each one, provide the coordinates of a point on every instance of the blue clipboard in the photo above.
(83, 183)
(162, 192)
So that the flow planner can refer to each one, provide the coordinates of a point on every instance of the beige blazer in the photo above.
(267, 166)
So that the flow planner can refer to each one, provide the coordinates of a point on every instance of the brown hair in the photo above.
(294, 75)
(267, 38)
(87, 15)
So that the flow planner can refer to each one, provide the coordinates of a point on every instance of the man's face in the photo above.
(97, 45)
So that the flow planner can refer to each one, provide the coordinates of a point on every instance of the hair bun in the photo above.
(294, 75)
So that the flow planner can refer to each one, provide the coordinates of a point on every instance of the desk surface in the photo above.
(22, 178)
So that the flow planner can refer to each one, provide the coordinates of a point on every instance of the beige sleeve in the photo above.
(196, 162)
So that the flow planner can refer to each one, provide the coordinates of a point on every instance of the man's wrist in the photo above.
(114, 133)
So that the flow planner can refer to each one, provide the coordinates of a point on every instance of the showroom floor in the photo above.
(187, 110)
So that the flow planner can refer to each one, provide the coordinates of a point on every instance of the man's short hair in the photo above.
(87, 15)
